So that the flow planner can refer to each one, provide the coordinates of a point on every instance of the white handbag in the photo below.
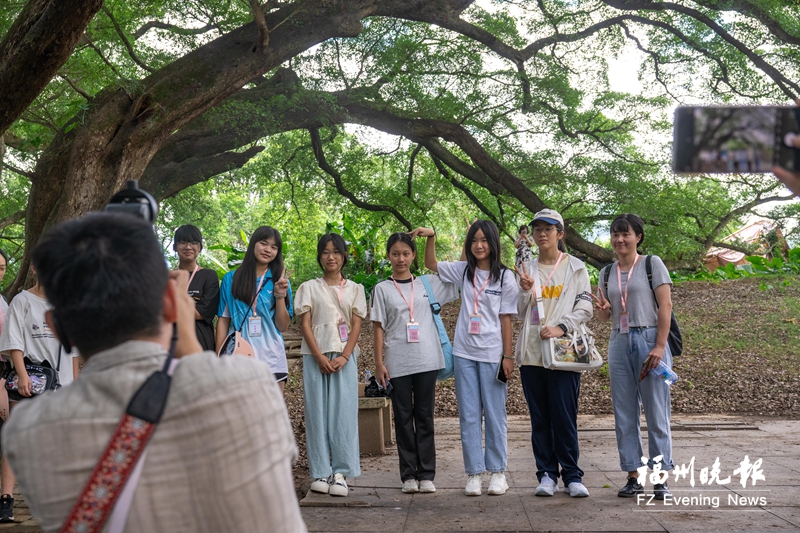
(574, 351)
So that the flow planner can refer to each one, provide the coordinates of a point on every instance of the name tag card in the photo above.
(474, 324)
(254, 326)
(535, 316)
(343, 335)
(412, 332)
(623, 323)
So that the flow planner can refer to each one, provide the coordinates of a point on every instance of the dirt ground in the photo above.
(740, 356)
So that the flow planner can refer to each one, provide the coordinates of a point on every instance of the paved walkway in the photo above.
(376, 503)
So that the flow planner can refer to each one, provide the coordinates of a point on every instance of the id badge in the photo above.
(343, 335)
(254, 326)
(412, 332)
(474, 324)
(623, 323)
(535, 316)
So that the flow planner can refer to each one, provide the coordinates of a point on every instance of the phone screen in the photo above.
(735, 140)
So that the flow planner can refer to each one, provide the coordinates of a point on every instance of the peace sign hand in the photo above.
(525, 281)
(282, 285)
(601, 304)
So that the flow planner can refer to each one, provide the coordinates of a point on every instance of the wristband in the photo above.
(507, 357)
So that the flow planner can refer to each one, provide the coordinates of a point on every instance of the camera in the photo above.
(134, 201)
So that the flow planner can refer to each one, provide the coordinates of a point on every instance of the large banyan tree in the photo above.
(508, 102)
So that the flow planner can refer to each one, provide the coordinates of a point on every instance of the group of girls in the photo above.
(254, 304)
(408, 355)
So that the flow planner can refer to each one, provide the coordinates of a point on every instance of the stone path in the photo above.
(376, 503)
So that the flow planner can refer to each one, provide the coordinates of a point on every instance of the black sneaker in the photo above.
(631, 489)
(660, 490)
(6, 508)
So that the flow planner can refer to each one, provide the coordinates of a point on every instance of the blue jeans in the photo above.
(626, 355)
(331, 402)
(481, 397)
(552, 397)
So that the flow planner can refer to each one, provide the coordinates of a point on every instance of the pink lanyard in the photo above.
(555, 267)
(196, 267)
(410, 305)
(624, 297)
(477, 292)
(258, 290)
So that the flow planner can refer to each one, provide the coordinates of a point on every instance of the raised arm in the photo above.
(430, 247)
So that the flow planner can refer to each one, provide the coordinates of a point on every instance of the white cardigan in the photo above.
(573, 308)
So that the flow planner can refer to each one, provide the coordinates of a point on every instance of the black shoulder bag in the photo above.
(43, 378)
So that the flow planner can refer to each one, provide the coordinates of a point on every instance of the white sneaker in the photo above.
(547, 487)
(339, 486)
(410, 486)
(498, 484)
(320, 485)
(426, 485)
(473, 486)
(576, 489)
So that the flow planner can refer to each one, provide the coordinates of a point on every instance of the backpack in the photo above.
(675, 339)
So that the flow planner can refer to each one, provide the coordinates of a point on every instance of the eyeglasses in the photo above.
(184, 244)
(542, 231)
(326, 253)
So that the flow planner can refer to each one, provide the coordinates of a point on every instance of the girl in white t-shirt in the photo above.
(331, 309)
(27, 335)
(482, 349)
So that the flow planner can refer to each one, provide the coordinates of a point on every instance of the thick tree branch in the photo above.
(316, 144)
(44, 34)
(463, 188)
(15, 170)
(747, 8)
(262, 44)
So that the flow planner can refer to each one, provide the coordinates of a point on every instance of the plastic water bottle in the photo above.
(665, 373)
(368, 375)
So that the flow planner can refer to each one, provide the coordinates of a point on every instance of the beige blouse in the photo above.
(322, 300)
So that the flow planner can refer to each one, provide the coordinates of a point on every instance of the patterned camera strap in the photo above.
(115, 476)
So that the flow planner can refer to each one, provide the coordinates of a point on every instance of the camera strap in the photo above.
(108, 494)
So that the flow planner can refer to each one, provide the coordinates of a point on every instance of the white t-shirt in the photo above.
(3, 313)
(25, 329)
(387, 306)
(498, 298)
(550, 296)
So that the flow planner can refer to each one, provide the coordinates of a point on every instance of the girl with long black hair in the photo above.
(256, 301)
(483, 356)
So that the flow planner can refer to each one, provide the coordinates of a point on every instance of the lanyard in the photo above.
(624, 297)
(255, 298)
(196, 267)
(410, 305)
(477, 292)
(555, 267)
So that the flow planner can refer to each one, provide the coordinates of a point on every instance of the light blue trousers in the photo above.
(626, 355)
(331, 418)
(481, 397)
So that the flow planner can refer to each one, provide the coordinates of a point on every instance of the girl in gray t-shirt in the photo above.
(408, 353)
(640, 327)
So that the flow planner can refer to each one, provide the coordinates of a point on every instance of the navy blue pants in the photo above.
(552, 397)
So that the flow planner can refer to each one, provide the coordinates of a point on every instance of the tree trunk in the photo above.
(44, 34)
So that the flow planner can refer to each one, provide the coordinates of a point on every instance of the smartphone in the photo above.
(735, 140)
(501, 376)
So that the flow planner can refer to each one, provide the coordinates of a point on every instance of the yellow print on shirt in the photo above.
(553, 291)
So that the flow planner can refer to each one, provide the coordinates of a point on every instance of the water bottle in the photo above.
(367, 375)
(665, 373)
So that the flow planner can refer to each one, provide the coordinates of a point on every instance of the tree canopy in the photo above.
(396, 112)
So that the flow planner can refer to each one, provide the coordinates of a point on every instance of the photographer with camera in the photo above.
(220, 459)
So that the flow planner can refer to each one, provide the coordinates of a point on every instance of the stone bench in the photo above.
(374, 424)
